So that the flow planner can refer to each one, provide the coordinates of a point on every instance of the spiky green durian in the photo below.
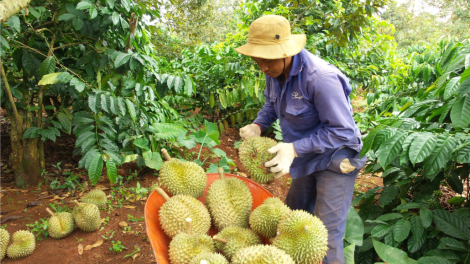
(233, 238)
(97, 197)
(261, 254)
(60, 224)
(265, 218)
(254, 154)
(187, 245)
(4, 240)
(153, 187)
(22, 244)
(87, 216)
(179, 207)
(229, 202)
(210, 258)
(178, 177)
(302, 236)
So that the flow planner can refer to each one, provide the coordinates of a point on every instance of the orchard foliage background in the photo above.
(128, 78)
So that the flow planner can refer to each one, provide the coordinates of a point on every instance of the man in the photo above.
(321, 141)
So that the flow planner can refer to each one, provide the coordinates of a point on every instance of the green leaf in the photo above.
(65, 122)
(77, 23)
(218, 152)
(464, 87)
(122, 105)
(79, 85)
(115, 18)
(453, 244)
(451, 87)
(142, 143)
(95, 169)
(111, 170)
(404, 157)
(447, 107)
(380, 230)
(47, 66)
(113, 105)
(188, 143)
(401, 230)
(66, 17)
(64, 77)
(369, 140)
(121, 59)
(49, 79)
(433, 260)
(463, 155)
(354, 228)
(170, 82)
(178, 84)
(84, 5)
(126, 5)
(82, 138)
(105, 102)
(93, 103)
(460, 113)
(188, 86)
(110, 3)
(422, 147)
(416, 227)
(131, 109)
(440, 154)
(407, 206)
(391, 147)
(212, 131)
(465, 74)
(4, 43)
(167, 131)
(391, 255)
(414, 244)
(223, 99)
(450, 225)
(349, 254)
(31, 132)
(388, 194)
(391, 216)
(153, 160)
(426, 217)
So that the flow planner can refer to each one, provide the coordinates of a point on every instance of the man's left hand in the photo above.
(285, 156)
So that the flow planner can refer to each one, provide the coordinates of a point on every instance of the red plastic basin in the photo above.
(160, 241)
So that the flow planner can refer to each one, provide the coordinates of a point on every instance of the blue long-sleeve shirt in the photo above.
(314, 111)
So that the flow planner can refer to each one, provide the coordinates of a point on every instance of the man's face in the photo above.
(272, 68)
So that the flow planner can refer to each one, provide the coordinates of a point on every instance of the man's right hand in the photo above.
(251, 130)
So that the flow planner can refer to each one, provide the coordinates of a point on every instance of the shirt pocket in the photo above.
(302, 116)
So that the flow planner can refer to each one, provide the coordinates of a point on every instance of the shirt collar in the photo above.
(297, 63)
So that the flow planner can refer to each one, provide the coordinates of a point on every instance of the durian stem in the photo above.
(306, 228)
(204, 262)
(216, 238)
(49, 211)
(189, 226)
(165, 153)
(162, 194)
(75, 201)
(221, 173)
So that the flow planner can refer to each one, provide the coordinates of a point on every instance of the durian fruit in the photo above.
(178, 177)
(4, 240)
(209, 258)
(153, 187)
(185, 246)
(233, 238)
(22, 244)
(60, 224)
(86, 216)
(265, 218)
(254, 154)
(229, 202)
(97, 197)
(179, 207)
(302, 236)
(261, 254)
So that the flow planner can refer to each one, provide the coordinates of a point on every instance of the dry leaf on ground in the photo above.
(80, 249)
(129, 206)
(97, 244)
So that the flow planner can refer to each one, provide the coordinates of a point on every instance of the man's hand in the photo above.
(248, 131)
(285, 156)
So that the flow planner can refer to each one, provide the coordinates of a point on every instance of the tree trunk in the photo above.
(24, 155)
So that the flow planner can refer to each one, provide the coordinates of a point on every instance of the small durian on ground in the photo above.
(179, 207)
(303, 236)
(233, 238)
(86, 216)
(97, 197)
(178, 177)
(4, 241)
(22, 244)
(253, 154)
(262, 254)
(209, 258)
(265, 218)
(229, 202)
(60, 224)
(185, 246)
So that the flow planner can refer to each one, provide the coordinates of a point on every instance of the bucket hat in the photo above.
(269, 37)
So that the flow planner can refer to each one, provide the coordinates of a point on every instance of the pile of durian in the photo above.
(85, 215)
(295, 236)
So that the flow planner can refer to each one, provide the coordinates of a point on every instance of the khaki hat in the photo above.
(270, 38)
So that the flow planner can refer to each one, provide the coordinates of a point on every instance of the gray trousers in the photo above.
(327, 195)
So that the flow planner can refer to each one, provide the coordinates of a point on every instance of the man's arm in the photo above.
(267, 115)
(334, 112)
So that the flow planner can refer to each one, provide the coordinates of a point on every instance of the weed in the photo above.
(79, 240)
(39, 229)
(117, 247)
(70, 182)
(59, 209)
(136, 249)
(109, 235)
(131, 218)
